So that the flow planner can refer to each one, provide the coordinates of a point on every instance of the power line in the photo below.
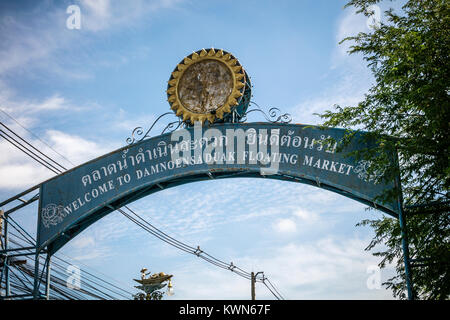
(23, 238)
(272, 291)
(86, 280)
(26, 142)
(49, 166)
(276, 290)
(205, 256)
(141, 222)
(99, 272)
(23, 127)
(30, 272)
(21, 147)
(219, 263)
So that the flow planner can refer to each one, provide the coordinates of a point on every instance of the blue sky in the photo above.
(82, 91)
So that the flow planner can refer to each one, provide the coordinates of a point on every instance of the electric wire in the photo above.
(85, 281)
(271, 291)
(19, 229)
(18, 147)
(30, 145)
(97, 271)
(12, 225)
(23, 127)
(216, 261)
(63, 282)
(200, 253)
(161, 232)
(25, 269)
(54, 263)
(275, 289)
(41, 161)
(96, 277)
(163, 236)
(213, 260)
(144, 224)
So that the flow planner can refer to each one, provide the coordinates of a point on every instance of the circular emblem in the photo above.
(206, 86)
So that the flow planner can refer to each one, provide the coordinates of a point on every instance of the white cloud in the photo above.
(15, 176)
(97, 241)
(349, 91)
(26, 110)
(128, 121)
(92, 254)
(330, 268)
(99, 15)
(239, 201)
(348, 78)
(75, 148)
(320, 268)
(55, 102)
(83, 242)
(285, 226)
(302, 271)
(306, 215)
(95, 15)
(30, 44)
(17, 170)
(350, 24)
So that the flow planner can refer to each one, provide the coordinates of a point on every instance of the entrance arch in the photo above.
(72, 201)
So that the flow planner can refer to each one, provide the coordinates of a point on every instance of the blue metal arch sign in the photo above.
(72, 201)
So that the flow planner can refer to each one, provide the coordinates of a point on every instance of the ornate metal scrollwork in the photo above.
(138, 133)
(172, 126)
(274, 115)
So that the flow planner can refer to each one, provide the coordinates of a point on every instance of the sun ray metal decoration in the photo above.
(207, 86)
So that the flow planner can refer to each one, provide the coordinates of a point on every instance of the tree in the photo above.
(407, 109)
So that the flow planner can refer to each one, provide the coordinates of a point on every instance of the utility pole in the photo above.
(253, 286)
(253, 282)
(4, 243)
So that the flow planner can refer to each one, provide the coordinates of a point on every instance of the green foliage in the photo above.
(408, 109)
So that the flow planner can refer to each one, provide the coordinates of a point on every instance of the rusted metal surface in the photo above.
(205, 86)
